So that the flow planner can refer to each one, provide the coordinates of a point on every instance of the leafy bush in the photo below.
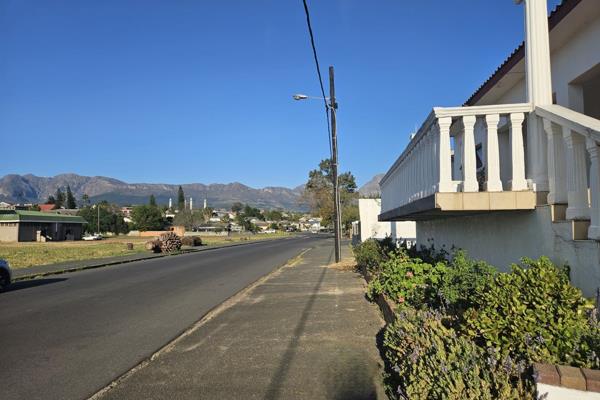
(408, 281)
(440, 284)
(191, 241)
(430, 361)
(534, 314)
(371, 253)
(463, 278)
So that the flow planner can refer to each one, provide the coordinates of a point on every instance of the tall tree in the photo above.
(85, 199)
(51, 200)
(180, 199)
(60, 198)
(318, 192)
(71, 203)
(237, 207)
(147, 218)
(152, 201)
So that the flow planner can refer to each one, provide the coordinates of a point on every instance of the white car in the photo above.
(95, 236)
(5, 274)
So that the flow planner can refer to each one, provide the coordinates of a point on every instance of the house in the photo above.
(32, 226)
(47, 207)
(370, 227)
(535, 127)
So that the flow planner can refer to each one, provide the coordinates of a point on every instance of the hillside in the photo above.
(34, 189)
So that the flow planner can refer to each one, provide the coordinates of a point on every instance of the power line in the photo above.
(314, 49)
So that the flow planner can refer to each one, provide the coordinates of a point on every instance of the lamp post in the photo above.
(332, 106)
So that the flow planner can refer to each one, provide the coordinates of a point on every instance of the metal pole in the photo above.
(334, 167)
(98, 207)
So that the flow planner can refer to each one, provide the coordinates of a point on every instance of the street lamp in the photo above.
(305, 97)
(332, 105)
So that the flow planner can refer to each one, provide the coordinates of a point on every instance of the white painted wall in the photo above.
(370, 227)
(503, 238)
(562, 393)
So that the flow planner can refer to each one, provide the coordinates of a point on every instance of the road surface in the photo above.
(67, 336)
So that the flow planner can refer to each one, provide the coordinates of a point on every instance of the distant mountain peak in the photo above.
(371, 188)
(34, 189)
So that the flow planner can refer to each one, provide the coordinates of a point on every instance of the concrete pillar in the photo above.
(539, 87)
(556, 163)
(518, 181)
(444, 153)
(470, 183)
(594, 150)
(577, 191)
(493, 182)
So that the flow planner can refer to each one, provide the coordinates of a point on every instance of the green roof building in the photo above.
(31, 226)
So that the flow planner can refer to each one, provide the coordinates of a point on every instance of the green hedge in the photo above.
(464, 317)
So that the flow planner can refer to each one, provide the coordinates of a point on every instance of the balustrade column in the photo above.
(556, 163)
(470, 183)
(518, 181)
(493, 182)
(444, 153)
(577, 193)
(594, 150)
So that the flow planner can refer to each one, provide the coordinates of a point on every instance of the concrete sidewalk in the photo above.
(305, 332)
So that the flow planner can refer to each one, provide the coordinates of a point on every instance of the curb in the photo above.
(210, 314)
(107, 264)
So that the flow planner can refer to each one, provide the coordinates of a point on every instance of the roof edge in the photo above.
(555, 17)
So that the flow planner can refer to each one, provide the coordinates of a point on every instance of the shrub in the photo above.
(408, 281)
(461, 281)
(191, 241)
(427, 360)
(441, 284)
(534, 314)
(371, 253)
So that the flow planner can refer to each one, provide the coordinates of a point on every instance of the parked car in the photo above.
(5, 274)
(95, 236)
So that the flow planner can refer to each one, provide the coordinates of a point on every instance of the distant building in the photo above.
(31, 226)
(47, 207)
(369, 226)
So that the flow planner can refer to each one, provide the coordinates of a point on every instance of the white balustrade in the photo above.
(572, 138)
(425, 167)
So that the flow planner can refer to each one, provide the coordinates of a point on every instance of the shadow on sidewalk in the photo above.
(347, 373)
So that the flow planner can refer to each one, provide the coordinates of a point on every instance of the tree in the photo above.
(180, 199)
(147, 218)
(85, 200)
(273, 215)
(71, 203)
(318, 192)
(51, 200)
(237, 207)
(152, 201)
(60, 198)
(111, 219)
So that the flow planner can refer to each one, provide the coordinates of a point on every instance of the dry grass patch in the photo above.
(346, 264)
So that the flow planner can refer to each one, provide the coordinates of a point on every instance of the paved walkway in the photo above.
(306, 332)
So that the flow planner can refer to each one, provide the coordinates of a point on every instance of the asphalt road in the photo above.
(67, 336)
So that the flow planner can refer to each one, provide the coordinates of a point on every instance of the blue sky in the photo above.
(181, 91)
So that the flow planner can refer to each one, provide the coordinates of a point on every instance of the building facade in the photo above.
(32, 226)
(515, 171)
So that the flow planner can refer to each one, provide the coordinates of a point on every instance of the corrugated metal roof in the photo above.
(38, 216)
(557, 15)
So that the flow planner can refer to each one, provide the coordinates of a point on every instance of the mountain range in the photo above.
(36, 189)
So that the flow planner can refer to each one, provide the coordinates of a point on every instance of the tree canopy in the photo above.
(318, 193)
(180, 199)
(147, 218)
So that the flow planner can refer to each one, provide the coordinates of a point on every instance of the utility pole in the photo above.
(334, 167)
(98, 207)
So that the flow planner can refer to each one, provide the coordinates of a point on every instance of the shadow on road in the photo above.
(31, 283)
